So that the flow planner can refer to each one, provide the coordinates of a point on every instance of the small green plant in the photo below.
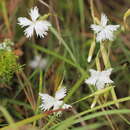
(8, 62)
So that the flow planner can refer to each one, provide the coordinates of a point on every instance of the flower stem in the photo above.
(105, 56)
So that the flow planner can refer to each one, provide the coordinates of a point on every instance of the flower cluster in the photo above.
(6, 45)
(98, 78)
(103, 32)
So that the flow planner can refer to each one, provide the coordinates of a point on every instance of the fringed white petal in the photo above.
(94, 76)
(41, 28)
(96, 28)
(108, 72)
(104, 19)
(23, 22)
(105, 35)
(47, 102)
(58, 104)
(112, 27)
(33, 64)
(34, 13)
(92, 71)
(29, 31)
(61, 93)
(42, 64)
(91, 81)
(100, 85)
(106, 76)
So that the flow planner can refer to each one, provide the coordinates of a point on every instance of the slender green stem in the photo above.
(105, 56)
(75, 87)
(63, 42)
(40, 90)
(8, 118)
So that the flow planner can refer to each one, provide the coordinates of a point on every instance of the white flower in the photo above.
(104, 31)
(38, 62)
(99, 79)
(55, 103)
(6, 45)
(40, 26)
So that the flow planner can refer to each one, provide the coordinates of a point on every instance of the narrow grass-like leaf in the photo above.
(50, 52)
(63, 42)
(66, 123)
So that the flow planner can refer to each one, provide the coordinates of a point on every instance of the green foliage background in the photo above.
(66, 47)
